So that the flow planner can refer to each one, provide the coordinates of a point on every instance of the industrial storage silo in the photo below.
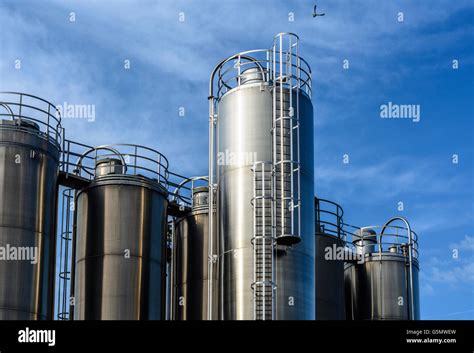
(29, 159)
(262, 174)
(382, 284)
(119, 267)
(192, 268)
(330, 244)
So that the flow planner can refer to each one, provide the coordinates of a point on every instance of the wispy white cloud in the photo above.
(447, 271)
(463, 273)
(390, 177)
(466, 244)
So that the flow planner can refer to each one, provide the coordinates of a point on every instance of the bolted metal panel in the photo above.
(121, 239)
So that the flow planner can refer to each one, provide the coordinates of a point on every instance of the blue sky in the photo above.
(391, 160)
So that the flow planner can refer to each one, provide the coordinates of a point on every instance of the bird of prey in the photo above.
(317, 14)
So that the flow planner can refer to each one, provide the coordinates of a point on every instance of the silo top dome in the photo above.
(200, 196)
(251, 75)
(22, 123)
(106, 166)
(364, 234)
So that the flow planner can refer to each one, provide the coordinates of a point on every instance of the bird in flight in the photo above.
(315, 13)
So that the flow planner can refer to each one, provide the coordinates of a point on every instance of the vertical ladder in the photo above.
(65, 254)
(263, 242)
(286, 144)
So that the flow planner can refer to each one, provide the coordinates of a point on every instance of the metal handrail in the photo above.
(258, 63)
(410, 258)
(94, 149)
(10, 111)
(177, 194)
(136, 159)
(70, 150)
(224, 82)
(23, 106)
(384, 240)
(329, 217)
(229, 72)
(239, 57)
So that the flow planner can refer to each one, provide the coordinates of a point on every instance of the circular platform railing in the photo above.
(130, 160)
(25, 109)
(387, 238)
(329, 218)
(279, 65)
(184, 191)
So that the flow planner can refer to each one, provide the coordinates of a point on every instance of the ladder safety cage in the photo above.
(65, 254)
(286, 79)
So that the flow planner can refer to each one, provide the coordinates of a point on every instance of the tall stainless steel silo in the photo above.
(119, 267)
(383, 283)
(261, 169)
(191, 263)
(30, 134)
(330, 244)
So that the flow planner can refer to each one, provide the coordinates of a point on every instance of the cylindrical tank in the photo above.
(330, 304)
(29, 159)
(379, 286)
(191, 250)
(245, 121)
(120, 242)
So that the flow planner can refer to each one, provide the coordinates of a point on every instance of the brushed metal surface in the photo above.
(28, 196)
(121, 239)
(330, 303)
(191, 249)
(244, 127)
(378, 290)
